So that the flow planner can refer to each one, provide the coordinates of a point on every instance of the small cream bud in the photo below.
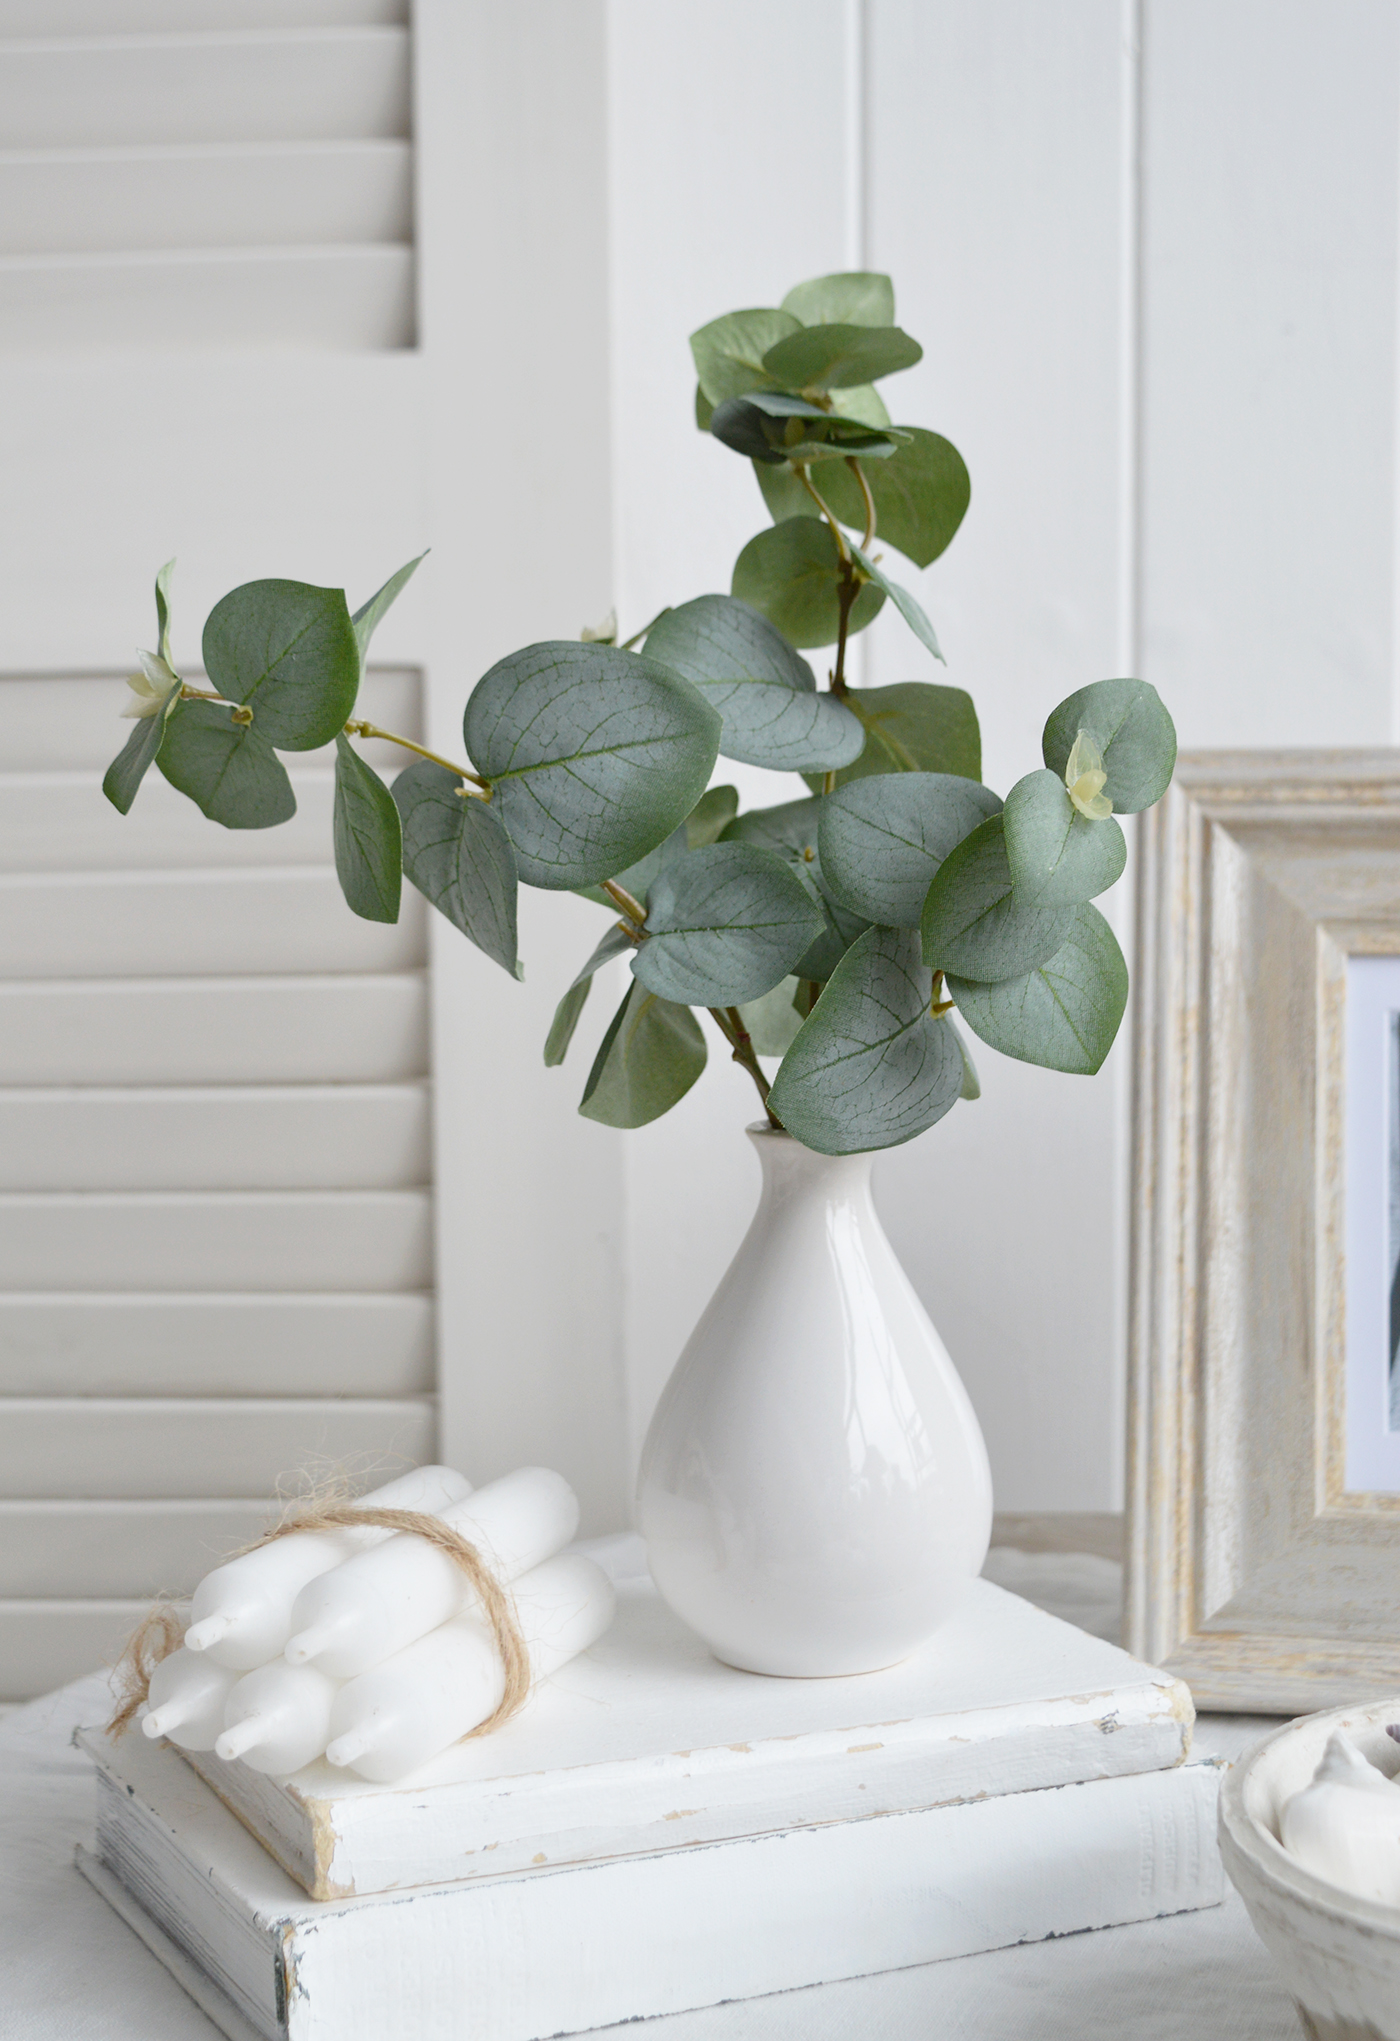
(1085, 777)
(601, 634)
(150, 688)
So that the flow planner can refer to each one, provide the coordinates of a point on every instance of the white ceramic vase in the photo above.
(814, 1489)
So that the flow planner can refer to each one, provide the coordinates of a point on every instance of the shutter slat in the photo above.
(125, 1549)
(110, 1450)
(48, 18)
(54, 822)
(101, 200)
(165, 924)
(255, 1030)
(232, 1138)
(44, 1644)
(292, 85)
(207, 1240)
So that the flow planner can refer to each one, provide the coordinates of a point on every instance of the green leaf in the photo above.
(729, 352)
(772, 1022)
(637, 878)
(710, 816)
(871, 1066)
(566, 1014)
(791, 831)
(864, 402)
(1058, 857)
(903, 601)
(1128, 722)
(163, 612)
(853, 297)
(882, 840)
(921, 493)
(1065, 1013)
(288, 652)
(704, 410)
(127, 770)
(724, 925)
(836, 356)
(368, 839)
(974, 924)
(650, 1056)
(914, 726)
(764, 692)
(594, 754)
(458, 856)
(792, 574)
(228, 769)
(762, 427)
(367, 618)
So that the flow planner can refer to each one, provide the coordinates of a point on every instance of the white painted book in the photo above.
(657, 1832)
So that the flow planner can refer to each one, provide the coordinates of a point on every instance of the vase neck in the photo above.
(794, 1170)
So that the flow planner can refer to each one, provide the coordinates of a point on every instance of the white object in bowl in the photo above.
(1340, 1955)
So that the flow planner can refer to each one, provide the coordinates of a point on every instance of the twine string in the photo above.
(161, 1632)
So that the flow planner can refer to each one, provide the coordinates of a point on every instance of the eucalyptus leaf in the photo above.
(127, 770)
(792, 573)
(729, 352)
(764, 429)
(834, 356)
(772, 1022)
(791, 832)
(903, 601)
(368, 838)
(872, 1066)
(765, 692)
(228, 769)
(1066, 1012)
(637, 878)
(914, 726)
(882, 840)
(594, 756)
(458, 856)
(1130, 725)
(710, 816)
(974, 925)
(853, 297)
(566, 1014)
(650, 1056)
(921, 493)
(367, 618)
(724, 925)
(704, 410)
(863, 402)
(1058, 856)
(287, 651)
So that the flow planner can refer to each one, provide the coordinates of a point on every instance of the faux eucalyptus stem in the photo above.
(834, 931)
(477, 790)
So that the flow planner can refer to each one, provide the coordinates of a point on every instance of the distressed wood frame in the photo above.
(1252, 1572)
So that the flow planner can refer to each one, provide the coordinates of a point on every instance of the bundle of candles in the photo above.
(1345, 1825)
(370, 1645)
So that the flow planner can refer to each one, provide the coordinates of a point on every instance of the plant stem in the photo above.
(389, 737)
(845, 596)
(800, 470)
(858, 471)
(633, 909)
(636, 636)
(938, 1007)
(731, 1026)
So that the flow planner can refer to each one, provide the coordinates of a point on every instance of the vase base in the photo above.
(767, 1672)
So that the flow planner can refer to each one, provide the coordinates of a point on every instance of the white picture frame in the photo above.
(1264, 1479)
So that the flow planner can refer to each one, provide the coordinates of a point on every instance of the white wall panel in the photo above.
(44, 1644)
(123, 1549)
(260, 1030)
(225, 1343)
(1269, 351)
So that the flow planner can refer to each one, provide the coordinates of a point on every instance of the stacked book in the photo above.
(657, 1832)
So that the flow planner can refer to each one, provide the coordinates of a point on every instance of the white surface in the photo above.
(648, 1743)
(74, 1972)
(1372, 1003)
(814, 1490)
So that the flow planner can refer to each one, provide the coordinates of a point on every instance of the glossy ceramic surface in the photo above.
(814, 1490)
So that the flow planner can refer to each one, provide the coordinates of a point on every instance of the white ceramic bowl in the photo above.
(1340, 1956)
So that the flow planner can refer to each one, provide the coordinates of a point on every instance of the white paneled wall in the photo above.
(215, 1176)
(186, 175)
